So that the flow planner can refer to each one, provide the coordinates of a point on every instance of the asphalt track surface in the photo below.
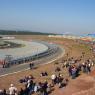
(25, 66)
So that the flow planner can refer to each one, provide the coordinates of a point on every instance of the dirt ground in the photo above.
(73, 48)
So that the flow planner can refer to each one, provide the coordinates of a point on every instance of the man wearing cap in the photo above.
(12, 90)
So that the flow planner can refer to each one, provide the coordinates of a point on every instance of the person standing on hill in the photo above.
(12, 90)
(31, 65)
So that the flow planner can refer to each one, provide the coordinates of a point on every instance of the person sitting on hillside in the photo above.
(26, 78)
(44, 74)
(57, 69)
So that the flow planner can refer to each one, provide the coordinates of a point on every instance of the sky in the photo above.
(55, 16)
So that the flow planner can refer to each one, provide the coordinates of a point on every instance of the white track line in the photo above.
(13, 72)
(40, 64)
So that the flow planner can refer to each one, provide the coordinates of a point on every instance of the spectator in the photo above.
(21, 92)
(31, 65)
(44, 87)
(12, 90)
(57, 69)
(35, 88)
(70, 70)
(1, 92)
(74, 74)
(26, 91)
(40, 88)
(4, 92)
(30, 86)
(53, 77)
(44, 74)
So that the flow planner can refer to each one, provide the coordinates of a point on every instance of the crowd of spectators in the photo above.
(38, 88)
(74, 67)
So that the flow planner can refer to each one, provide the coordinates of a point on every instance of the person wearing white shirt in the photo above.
(12, 90)
(53, 77)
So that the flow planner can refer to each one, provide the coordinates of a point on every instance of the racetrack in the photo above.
(29, 48)
(54, 52)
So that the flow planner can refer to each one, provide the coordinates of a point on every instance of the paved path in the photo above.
(25, 66)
